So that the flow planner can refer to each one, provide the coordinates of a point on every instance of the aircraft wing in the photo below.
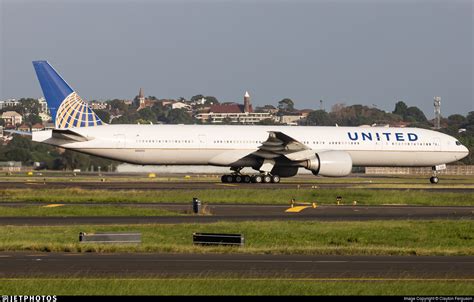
(279, 144)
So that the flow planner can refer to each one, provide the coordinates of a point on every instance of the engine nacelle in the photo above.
(330, 163)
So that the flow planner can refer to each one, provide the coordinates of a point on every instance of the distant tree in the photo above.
(196, 97)
(179, 116)
(210, 100)
(319, 118)
(33, 118)
(117, 104)
(456, 119)
(286, 105)
(17, 154)
(470, 118)
(268, 121)
(147, 114)
(104, 115)
(75, 160)
(400, 109)
(160, 112)
(416, 114)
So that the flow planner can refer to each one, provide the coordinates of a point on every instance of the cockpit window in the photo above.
(458, 143)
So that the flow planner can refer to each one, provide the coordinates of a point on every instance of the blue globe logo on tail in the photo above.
(67, 108)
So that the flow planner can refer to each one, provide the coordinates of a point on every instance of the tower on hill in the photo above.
(247, 102)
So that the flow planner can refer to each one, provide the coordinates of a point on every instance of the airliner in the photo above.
(272, 151)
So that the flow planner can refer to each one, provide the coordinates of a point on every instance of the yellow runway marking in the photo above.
(228, 185)
(296, 209)
(53, 205)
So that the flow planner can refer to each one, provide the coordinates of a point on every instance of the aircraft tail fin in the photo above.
(67, 108)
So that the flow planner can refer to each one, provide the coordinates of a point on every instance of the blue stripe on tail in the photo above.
(68, 110)
(55, 89)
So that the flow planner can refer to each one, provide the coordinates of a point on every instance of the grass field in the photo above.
(439, 237)
(72, 286)
(260, 196)
(76, 210)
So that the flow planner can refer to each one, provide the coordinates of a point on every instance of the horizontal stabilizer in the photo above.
(69, 135)
(18, 132)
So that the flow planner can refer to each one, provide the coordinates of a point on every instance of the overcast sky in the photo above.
(367, 52)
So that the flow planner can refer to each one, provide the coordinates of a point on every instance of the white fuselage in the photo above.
(223, 145)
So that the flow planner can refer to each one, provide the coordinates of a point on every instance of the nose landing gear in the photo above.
(434, 179)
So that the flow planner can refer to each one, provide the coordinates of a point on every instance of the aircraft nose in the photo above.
(465, 151)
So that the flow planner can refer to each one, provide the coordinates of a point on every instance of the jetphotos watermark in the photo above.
(28, 298)
(438, 299)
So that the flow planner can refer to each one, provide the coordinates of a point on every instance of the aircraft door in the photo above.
(202, 140)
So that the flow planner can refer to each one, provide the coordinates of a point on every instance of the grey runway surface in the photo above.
(202, 265)
(207, 185)
(232, 212)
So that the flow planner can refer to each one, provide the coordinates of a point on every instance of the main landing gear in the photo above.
(258, 178)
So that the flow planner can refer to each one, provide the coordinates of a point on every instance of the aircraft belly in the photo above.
(156, 156)
(399, 158)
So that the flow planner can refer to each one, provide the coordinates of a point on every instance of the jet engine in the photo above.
(330, 163)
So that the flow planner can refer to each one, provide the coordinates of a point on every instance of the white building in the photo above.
(233, 113)
(233, 117)
(9, 103)
(43, 105)
(289, 119)
(12, 118)
(98, 105)
(180, 105)
(44, 116)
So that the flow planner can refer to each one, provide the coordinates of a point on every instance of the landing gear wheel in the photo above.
(275, 179)
(267, 179)
(223, 178)
(246, 179)
(257, 179)
(237, 178)
(228, 178)
(434, 179)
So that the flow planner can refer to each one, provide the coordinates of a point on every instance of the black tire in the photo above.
(267, 179)
(434, 180)
(238, 178)
(247, 179)
(275, 179)
(229, 178)
(223, 178)
(257, 179)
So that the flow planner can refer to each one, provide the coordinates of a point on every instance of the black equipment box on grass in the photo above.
(218, 239)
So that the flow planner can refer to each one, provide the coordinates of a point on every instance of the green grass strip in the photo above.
(404, 237)
(232, 287)
(69, 210)
(260, 196)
